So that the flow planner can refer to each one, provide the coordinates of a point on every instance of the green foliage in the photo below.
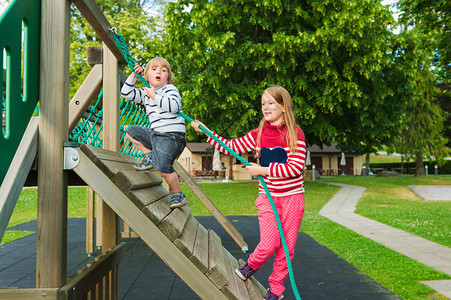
(335, 58)
(432, 17)
(421, 130)
(444, 167)
(138, 28)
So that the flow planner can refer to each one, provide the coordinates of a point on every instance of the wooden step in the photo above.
(200, 252)
(236, 288)
(217, 271)
(256, 290)
(131, 180)
(148, 195)
(95, 154)
(185, 242)
(172, 225)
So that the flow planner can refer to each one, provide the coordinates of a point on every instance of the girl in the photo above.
(163, 142)
(280, 146)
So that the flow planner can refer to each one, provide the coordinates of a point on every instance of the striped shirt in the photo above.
(162, 112)
(284, 179)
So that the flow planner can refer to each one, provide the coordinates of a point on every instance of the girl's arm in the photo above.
(240, 145)
(294, 165)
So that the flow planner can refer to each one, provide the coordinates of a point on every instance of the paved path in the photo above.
(340, 209)
(432, 193)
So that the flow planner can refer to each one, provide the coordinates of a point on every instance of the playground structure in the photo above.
(194, 253)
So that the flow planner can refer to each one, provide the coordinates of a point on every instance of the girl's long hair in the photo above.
(282, 97)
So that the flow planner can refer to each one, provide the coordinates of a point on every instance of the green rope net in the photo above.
(120, 42)
(89, 128)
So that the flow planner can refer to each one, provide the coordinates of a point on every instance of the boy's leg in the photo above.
(290, 213)
(138, 144)
(173, 181)
(140, 137)
(178, 199)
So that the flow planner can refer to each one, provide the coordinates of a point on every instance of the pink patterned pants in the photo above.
(291, 210)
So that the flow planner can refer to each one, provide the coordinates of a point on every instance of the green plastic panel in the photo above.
(19, 48)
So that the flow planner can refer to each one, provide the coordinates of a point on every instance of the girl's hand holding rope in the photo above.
(195, 124)
(256, 170)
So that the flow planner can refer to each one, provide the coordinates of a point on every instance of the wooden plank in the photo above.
(256, 289)
(200, 252)
(99, 204)
(96, 154)
(29, 294)
(185, 242)
(158, 210)
(145, 196)
(225, 223)
(132, 180)
(92, 13)
(90, 211)
(172, 225)
(17, 173)
(148, 232)
(111, 96)
(217, 271)
(88, 90)
(236, 288)
(51, 266)
(110, 168)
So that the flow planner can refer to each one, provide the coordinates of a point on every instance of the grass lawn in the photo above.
(386, 200)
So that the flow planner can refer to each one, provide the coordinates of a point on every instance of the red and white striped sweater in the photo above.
(284, 178)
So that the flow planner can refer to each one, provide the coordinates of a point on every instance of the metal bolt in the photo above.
(74, 158)
(44, 295)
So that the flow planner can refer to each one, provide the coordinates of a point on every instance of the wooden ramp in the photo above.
(194, 253)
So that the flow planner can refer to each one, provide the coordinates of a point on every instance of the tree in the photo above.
(422, 123)
(334, 57)
(432, 17)
(140, 30)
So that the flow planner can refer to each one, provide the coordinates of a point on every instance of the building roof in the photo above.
(314, 149)
(332, 149)
(200, 147)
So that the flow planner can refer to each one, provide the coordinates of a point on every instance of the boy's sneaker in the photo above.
(178, 200)
(271, 296)
(245, 271)
(145, 164)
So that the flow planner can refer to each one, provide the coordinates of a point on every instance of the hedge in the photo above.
(409, 167)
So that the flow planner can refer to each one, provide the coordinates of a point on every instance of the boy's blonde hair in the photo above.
(159, 62)
(282, 96)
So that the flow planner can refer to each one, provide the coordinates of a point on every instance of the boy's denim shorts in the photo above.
(166, 146)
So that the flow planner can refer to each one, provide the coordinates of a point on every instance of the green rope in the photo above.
(120, 42)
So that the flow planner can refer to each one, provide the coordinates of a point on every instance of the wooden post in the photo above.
(90, 209)
(51, 253)
(110, 222)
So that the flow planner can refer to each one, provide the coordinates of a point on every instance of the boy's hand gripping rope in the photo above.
(120, 42)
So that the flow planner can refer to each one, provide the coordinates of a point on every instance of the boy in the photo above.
(165, 140)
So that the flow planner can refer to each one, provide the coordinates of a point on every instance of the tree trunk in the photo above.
(402, 164)
(419, 167)
(367, 163)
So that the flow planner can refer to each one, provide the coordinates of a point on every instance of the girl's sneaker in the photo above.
(271, 296)
(178, 200)
(245, 271)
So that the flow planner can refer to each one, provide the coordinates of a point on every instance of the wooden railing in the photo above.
(98, 280)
